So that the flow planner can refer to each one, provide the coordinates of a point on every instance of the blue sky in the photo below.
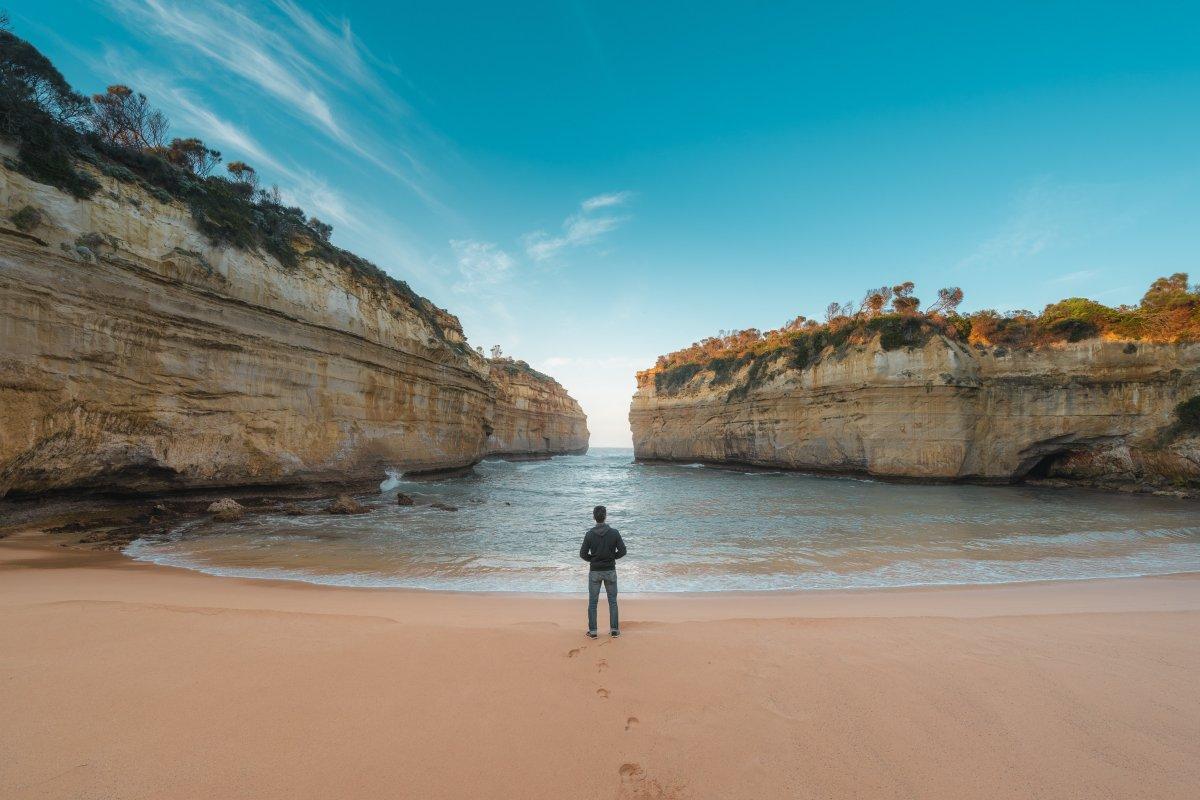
(592, 184)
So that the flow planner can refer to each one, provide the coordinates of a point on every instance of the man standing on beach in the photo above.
(602, 546)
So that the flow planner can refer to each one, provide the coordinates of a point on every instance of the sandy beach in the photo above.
(128, 680)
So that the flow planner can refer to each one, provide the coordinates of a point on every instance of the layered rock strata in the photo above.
(1095, 411)
(137, 356)
(535, 416)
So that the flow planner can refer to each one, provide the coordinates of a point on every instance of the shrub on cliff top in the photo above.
(57, 130)
(1169, 312)
(43, 115)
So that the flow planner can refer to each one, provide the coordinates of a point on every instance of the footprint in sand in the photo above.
(637, 785)
(602, 694)
(601, 665)
(631, 723)
(573, 652)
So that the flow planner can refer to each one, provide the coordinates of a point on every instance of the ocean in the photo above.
(691, 528)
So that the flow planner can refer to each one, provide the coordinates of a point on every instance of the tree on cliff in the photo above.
(125, 118)
(903, 301)
(43, 115)
(321, 229)
(193, 155)
(947, 302)
(243, 173)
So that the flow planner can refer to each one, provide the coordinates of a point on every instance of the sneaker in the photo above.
(615, 634)
(591, 634)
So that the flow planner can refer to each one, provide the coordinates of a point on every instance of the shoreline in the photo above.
(747, 467)
(231, 573)
(134, 680)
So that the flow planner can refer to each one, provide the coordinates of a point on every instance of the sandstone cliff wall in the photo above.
(1099, 411)
(134, 355)
(534, 415)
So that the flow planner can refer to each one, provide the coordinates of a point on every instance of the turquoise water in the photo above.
(692, 528)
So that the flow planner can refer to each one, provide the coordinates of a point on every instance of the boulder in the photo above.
(403, 499)
(443, 506)
(227, 510)
(345, 504)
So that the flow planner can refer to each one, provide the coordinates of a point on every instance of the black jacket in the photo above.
(602, 546)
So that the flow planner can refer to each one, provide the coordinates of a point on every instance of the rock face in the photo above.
(136, 356)
(1093, 411)
(534, 415)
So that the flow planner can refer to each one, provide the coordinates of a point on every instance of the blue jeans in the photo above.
(609, 578)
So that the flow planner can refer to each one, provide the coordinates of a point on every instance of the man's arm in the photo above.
(585, 549)
(620, 548)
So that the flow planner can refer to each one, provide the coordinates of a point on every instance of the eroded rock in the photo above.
(227, 510)
(345, 504)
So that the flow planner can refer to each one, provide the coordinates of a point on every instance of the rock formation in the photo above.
(534, 415)
(137, 356)
(1097, 411)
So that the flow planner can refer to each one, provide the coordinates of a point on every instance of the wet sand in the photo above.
(127, 680)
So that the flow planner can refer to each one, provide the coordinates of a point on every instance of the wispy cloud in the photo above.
(237, 42)
(592, 221)
(305, 65)
(605, 200)
(480, 264)
(1075, 277)
(1049, 214)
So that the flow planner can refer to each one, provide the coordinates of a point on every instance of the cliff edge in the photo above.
(1099, 411)
(138, 355)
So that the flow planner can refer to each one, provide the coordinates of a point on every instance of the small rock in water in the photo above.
(345, 504)
(443, 507)
(296, 510)
(403, 499)
(227, 510)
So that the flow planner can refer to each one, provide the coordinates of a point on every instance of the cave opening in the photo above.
(1044, 466)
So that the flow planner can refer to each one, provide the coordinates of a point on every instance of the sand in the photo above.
(125, 680)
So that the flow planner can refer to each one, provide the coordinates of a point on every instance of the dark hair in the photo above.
(599, 513)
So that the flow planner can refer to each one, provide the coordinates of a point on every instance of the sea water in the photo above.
(691, 528)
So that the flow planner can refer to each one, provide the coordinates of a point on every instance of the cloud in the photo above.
(1049, 214)
(302, 63)
(605, 200)
(480, 264)
(239, 43)
(1073, 277)
(581, 228)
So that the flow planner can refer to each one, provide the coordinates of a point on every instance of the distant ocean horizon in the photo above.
(692, 528)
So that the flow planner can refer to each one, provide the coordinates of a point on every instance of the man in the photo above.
(602, 546)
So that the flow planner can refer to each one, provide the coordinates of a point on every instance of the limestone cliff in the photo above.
(135, 355)
(1097, 411)
(534, 415)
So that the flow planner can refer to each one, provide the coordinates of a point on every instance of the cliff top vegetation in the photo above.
(1168, 312)
(63, 138)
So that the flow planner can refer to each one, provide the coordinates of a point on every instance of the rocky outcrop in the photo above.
(1095, 411)
(137, 356)
(535, 416)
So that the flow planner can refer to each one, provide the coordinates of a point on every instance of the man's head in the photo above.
(599, 513)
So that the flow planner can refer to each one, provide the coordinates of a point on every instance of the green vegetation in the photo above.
(63, 138)
(1169, 312)
(517, 367)
(27, 218)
